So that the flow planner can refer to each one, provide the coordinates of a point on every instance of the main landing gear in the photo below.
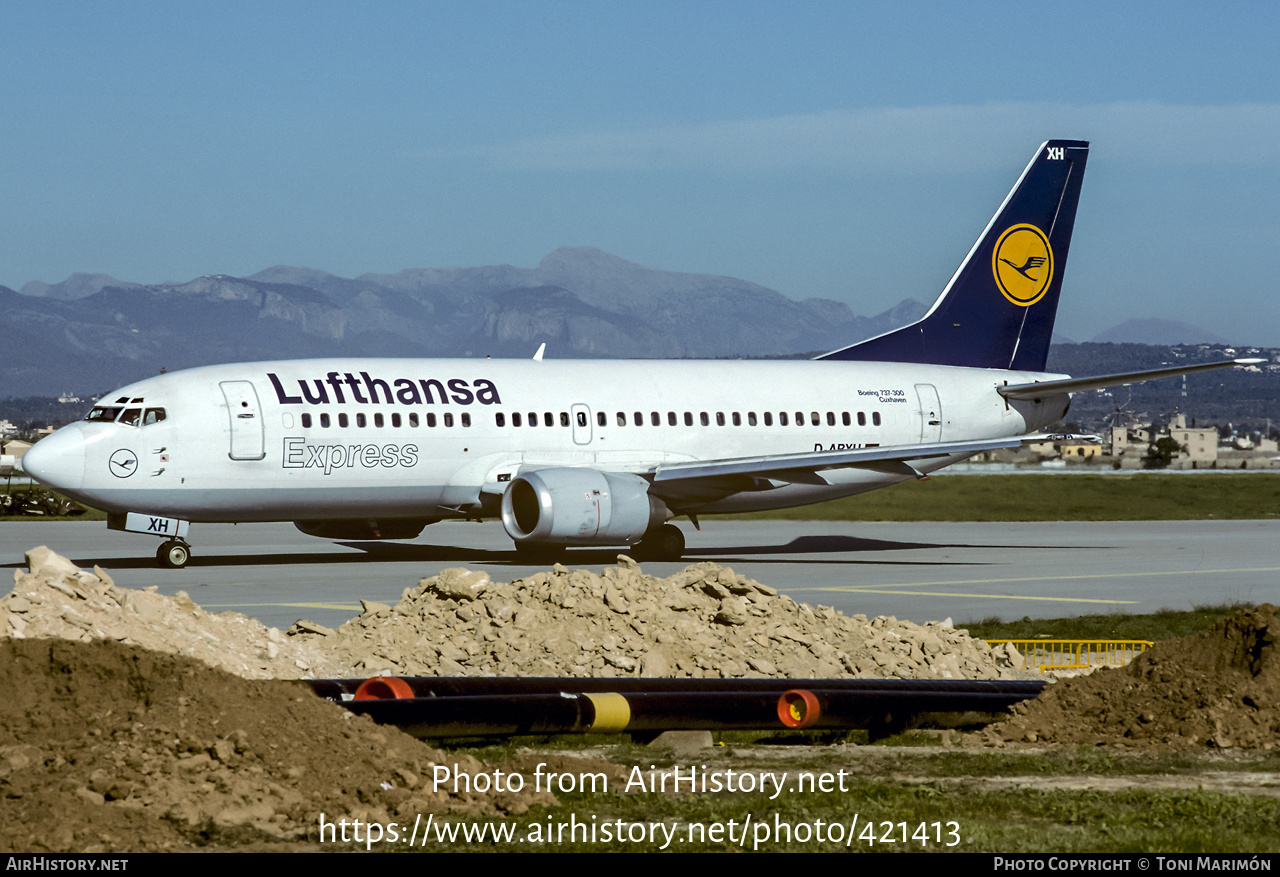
(173, 554)
(661, 543)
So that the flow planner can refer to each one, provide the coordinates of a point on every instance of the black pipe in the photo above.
(471, 686)
(712, 704)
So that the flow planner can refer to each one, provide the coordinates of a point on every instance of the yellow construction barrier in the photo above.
(1075, 654)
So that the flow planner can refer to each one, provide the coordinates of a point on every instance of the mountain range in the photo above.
(92, 332)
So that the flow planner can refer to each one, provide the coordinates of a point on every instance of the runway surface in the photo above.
(917, 571)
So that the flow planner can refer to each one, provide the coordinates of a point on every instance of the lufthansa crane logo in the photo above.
(123, 463)
(1022, 263)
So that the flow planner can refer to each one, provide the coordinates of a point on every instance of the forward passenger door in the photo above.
(246, 420)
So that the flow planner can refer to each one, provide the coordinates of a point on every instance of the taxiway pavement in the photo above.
(917, 571)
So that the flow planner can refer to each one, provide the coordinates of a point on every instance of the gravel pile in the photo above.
(703, 622)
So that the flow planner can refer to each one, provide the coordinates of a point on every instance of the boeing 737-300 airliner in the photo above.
(595, 452)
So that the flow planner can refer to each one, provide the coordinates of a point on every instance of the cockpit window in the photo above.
(103, 412)
(127, 416)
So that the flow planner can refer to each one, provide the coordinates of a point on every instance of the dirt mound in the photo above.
(703, 622)
(105, 746)
(1218, 688)
(56, 599)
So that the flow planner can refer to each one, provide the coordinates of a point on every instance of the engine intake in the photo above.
(579, 507)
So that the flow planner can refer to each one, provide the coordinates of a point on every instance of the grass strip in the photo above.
(1136, 497)
(1155, 626)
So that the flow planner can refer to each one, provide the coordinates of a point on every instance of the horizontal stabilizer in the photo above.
(1076, 385)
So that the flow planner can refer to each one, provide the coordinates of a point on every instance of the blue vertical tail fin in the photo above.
(998, 309)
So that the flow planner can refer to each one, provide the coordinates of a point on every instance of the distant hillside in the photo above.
(1153, 331)
(75, 287)
(91, 332)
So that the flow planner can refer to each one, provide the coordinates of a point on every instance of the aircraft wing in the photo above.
(1075, 385)
(802, 467)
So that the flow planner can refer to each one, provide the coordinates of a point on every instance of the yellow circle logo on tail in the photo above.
(1022, 263)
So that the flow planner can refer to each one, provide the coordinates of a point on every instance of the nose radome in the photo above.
(58, 461)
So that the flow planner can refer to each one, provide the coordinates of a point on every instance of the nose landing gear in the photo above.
(173, 554)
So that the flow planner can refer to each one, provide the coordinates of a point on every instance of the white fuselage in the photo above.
(317, 439)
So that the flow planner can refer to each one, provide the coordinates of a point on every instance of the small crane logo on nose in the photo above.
(123, 463)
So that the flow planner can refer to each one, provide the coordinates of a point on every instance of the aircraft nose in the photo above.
(58, 460)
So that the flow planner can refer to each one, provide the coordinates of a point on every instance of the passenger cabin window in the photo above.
(360, 420)
(751, 418)
(688, 418)
(875, 418)
(324, 421)
(602, 419)
(564, 418)
(782, 418)
(306, 421)
(862, 418)
(639, 418)
(768, 418)
(549, 419)
(622, 418)
(448, 420)
(413, 421)
(671, 419)
(500, 419)
(582, 418)
(343, 421)
(737, 419)
(515, 418)
(466, 420)
(655, 418)
(431, 421)
(377, 420)
(395, 421)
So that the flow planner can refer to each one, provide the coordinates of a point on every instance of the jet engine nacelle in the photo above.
(579, 507)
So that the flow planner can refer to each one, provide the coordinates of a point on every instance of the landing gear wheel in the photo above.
(173, 554)
(664, 543)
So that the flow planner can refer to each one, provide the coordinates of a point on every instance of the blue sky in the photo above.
(843, 150)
